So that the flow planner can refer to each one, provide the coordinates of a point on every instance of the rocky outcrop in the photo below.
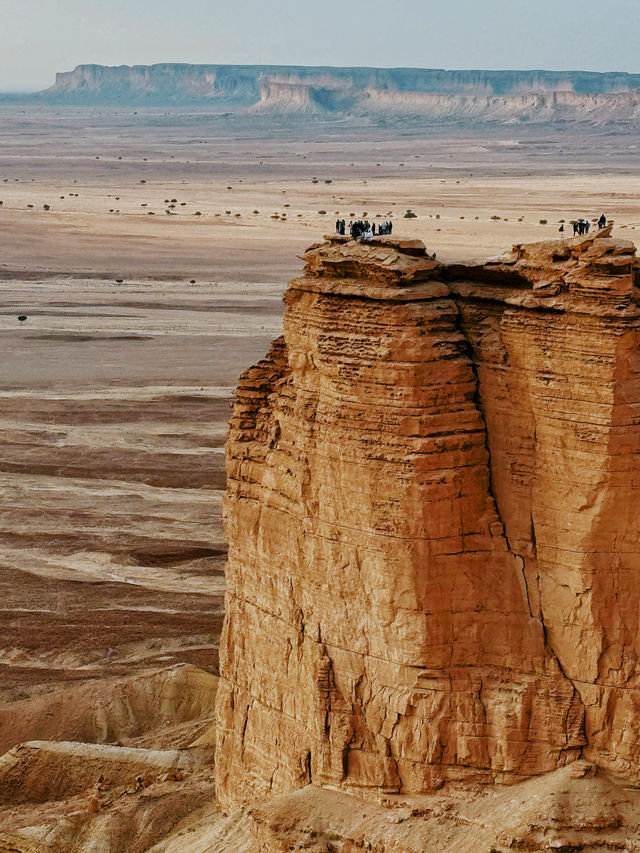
(423, 94)
(573, 809)
(532, 107)
(433, 565)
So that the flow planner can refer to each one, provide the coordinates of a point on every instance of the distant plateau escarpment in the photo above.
(429, 95)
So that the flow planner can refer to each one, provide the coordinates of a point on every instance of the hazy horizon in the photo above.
(322, 65)
(42, 37)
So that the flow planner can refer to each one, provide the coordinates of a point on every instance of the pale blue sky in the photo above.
(40, 37)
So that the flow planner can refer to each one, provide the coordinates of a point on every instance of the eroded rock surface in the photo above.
(433, 566)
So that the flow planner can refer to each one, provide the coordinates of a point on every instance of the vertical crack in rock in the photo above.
(519, 561)
(429, 577)
(569, 378)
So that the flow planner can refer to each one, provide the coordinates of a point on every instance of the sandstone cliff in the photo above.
(421, 94)
(433, 566)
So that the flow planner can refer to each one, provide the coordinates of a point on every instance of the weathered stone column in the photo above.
(379, 631)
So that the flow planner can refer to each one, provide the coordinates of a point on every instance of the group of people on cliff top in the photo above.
(363, 229)
(582, 226)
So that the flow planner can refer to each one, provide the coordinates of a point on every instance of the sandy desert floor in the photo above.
(117, 388)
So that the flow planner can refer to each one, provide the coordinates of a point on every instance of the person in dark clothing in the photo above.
(602, 221)
(575, 228)
(561, 228)
(342, 227)
(587, 225)
(337, 226)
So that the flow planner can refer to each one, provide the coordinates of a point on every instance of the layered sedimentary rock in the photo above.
(422, 95)
(433, 568)
(559, 389)
(242, 83)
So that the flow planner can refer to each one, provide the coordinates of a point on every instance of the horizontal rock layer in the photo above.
(302, 91)
(433, 565)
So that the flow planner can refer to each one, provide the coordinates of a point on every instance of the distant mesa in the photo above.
(510, 97)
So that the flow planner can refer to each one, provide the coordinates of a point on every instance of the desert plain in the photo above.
(149, 250)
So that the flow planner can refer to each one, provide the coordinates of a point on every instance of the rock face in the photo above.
(433, 571)
(423, 94)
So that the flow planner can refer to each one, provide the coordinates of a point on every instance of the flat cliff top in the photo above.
(438, 80)
(535, 96)
(589, 274)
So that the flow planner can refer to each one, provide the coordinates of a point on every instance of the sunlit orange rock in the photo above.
(433, 566)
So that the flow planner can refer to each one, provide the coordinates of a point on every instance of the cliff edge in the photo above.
(434, 566)
(363, 94)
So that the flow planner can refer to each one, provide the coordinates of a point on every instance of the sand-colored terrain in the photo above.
(116, 390)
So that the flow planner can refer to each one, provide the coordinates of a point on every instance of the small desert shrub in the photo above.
(410, 215)
(543, 222)
(197, 213)
(322, 212)
(46, 207)
(495, 218)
